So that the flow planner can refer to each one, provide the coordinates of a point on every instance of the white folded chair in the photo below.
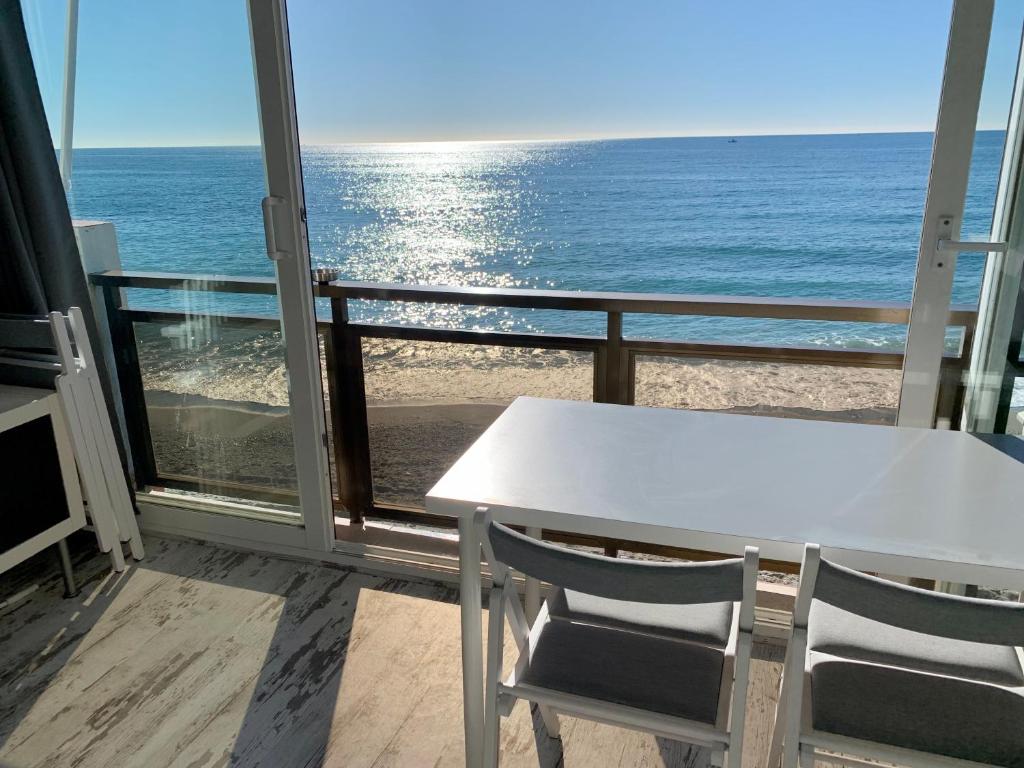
(77, 381)
(658, 647)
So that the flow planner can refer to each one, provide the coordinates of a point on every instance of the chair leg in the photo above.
(495, 643)
(775, 750)
(806, 756)
(70, 588)
(735, 757)
(790, 751)
(717, 758)
(551, 724)
(491, 742)
(790, 710)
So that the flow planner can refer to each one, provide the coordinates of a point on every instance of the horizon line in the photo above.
(567, 139)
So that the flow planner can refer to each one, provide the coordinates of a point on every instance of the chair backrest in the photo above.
(932, 613)
(617, 579)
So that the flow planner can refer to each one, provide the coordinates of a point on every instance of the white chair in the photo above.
(657, 647)
(25, 343)
(887, 672)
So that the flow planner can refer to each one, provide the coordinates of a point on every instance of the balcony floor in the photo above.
(204, 656)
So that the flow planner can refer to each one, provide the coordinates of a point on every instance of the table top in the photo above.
(944, 504)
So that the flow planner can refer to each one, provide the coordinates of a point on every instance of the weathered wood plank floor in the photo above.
(203, 656)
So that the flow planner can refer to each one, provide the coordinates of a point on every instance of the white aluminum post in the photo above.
(1002, 282)
(288, 247)
(966, 55)
(67, 119)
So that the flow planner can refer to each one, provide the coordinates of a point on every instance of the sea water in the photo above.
(835, 217)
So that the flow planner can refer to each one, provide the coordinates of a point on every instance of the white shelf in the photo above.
(12, 398)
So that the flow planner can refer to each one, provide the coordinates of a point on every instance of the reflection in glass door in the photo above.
(995, 388)
(177, 152)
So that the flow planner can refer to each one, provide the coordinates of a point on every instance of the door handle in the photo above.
(272, 208)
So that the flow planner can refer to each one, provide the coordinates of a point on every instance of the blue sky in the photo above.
(176, 74)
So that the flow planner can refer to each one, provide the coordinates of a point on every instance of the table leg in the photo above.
(779, 726)
(472, 641)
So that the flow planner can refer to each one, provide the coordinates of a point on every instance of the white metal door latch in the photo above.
(272, 208)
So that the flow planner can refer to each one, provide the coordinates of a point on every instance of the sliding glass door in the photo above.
(186, 164)
(288, 247)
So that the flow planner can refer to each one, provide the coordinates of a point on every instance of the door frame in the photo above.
(956, 124)
(288, 246)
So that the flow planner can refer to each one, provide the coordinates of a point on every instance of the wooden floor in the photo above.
(202, 656)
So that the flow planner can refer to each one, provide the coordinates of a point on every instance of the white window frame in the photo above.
(966, 55)
(287, 238)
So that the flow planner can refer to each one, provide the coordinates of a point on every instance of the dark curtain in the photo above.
(40, 269)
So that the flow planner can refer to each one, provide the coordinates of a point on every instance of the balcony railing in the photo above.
(614, 355)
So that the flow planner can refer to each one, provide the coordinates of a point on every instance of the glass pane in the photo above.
(45, 24)
(863, 395)
(429, 401)
(993, 115)
(801, 181)
(212, 431)
(168, 150)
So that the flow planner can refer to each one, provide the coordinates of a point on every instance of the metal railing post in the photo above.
(615, 364)
(600, 374)
(349, 427)
(132, 391)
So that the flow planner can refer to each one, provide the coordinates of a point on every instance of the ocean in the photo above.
(835, 216)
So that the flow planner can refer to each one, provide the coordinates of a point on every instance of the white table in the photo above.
(914, 502)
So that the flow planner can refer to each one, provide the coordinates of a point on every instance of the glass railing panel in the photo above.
(824, 334)
(217, 405)
(427, 402)
(793, 390)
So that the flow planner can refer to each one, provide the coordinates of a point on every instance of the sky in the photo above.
(180, 73)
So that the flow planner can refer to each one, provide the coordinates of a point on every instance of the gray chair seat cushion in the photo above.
(651, 673)
(707, 623)
(950, 716)
(836, 632)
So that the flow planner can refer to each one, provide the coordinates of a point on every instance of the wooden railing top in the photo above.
(779, 308)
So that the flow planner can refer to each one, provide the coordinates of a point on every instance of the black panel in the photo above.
(31, 487)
